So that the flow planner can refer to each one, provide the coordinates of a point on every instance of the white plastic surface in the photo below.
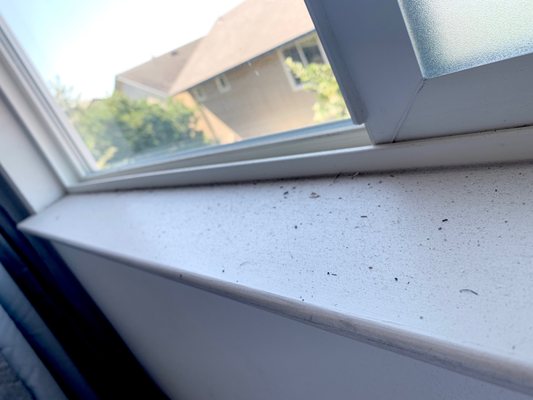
(199, 346)
(437, 264)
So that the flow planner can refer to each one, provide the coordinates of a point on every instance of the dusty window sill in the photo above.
(433, 264)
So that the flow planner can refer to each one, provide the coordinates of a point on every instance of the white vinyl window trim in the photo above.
(48, 127)
(380, 52)
(329, 149)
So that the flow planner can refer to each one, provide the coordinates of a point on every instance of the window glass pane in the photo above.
(292, 55)
(453, 35)
(312, 52)
(140, 78)
(292, 52)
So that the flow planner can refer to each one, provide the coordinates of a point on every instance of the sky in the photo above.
(86, 43)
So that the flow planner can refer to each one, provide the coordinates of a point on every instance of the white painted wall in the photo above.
(198, 345)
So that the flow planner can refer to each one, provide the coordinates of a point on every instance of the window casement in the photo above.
(199, 93)
(388, 78)
(420, 69)
(222, 83)
(305, 51)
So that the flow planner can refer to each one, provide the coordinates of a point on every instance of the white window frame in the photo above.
(379, 69)
(297, 44)
(320, 150)
(223, 84)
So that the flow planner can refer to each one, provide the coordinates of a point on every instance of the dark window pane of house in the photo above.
(204, 74)
(292, 53)
(312, 52)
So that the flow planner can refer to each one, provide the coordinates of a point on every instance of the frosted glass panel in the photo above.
(453, 35)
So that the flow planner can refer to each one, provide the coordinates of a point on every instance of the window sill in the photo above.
(432, 264)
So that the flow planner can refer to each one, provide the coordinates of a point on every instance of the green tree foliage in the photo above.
(117, 128)
(319, 78)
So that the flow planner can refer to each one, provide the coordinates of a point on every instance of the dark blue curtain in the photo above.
(108, 367)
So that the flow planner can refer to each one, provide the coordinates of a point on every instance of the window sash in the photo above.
(326, 149)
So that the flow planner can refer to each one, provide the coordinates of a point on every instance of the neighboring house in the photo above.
(153, 80)
(237, 73)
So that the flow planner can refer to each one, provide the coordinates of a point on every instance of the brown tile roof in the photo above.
(160, 72)
(249, 30)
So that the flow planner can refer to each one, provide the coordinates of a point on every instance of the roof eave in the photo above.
(176, 91)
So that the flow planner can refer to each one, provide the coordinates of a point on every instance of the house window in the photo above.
(174, 67)
(222, 83)
(384, 55)
(305, 52)
(311, 51)
(199, 93)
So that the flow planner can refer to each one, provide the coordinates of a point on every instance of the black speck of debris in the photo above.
(506, 221)
(445, 220)
(440, 228)
(391, 175)
(421, 317)
(223, 271)
(295, 226)
(314, 195)
(396, 279)
(332, 274)
(495, 190)
(380, 181)
(370, 267)
(303, 300)
(294, 187)
(469, 291)
(364, 216)
(286, 193)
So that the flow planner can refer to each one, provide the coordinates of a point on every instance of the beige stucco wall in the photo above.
(261, 100)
